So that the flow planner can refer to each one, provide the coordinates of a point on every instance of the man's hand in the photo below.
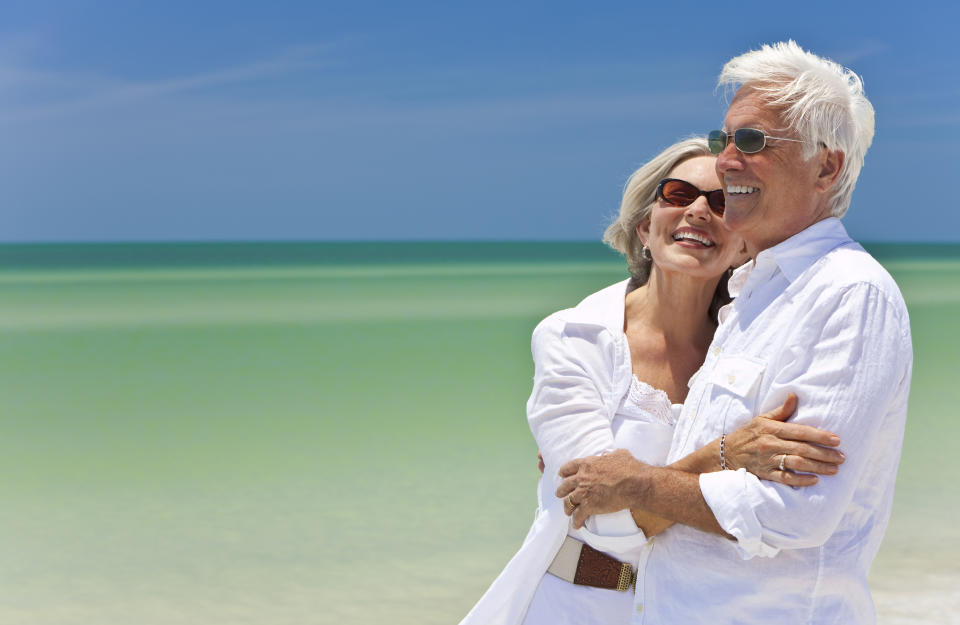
(598, 484)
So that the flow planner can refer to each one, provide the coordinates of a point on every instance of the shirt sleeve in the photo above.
(848, 359)
(567, 410)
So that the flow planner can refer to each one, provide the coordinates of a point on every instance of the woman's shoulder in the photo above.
(603, 310)
(591, 330)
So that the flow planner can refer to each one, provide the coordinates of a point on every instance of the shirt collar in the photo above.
(796, 254)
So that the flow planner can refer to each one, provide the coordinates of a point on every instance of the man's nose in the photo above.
(729, 159)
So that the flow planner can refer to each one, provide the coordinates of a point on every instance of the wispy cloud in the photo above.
(36, 94)
(935, 120)
(867, 49)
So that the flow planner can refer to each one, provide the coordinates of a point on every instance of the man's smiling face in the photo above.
(774, 193)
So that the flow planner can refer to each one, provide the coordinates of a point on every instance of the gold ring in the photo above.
(570, 503)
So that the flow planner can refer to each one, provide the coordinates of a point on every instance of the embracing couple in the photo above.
(691, 418)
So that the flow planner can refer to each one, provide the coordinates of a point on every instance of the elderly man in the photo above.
(814, 314)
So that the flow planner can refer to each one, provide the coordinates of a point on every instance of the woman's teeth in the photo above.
(736, 189)
(693, 237)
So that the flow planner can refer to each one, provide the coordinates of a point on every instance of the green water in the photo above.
(326, 433)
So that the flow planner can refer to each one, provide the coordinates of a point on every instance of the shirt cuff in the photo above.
(729, 495)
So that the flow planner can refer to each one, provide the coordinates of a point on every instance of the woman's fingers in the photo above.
(794, 431)
(792, 479)
(827, 455)
(784, 411)
(805, 465)
(803, 433)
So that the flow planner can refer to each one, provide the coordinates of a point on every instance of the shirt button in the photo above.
(731, 378)
(639, 608)
(717, 350)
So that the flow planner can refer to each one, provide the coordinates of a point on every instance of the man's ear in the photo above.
(831, 163)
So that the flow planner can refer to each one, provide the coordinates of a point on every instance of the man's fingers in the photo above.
(579, 517)
(569, 468)
(566, 487)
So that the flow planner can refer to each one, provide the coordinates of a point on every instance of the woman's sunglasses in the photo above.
(747, 140)
(681, 193)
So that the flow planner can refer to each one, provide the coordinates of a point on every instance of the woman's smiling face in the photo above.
(691, 240)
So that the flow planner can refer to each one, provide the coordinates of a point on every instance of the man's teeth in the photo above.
(693, 237)
(736, 188)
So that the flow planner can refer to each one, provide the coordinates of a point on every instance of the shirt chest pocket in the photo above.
(733, 386)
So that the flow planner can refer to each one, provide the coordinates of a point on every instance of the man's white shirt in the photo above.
(818, 316)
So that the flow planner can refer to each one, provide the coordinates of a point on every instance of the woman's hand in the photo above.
(783, 452)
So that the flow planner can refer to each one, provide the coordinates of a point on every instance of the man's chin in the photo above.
(737, 220)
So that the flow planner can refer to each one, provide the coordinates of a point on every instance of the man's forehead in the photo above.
(751, 108)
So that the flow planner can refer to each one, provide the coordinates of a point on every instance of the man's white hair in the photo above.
(822, 101)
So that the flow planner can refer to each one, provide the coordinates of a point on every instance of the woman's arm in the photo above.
(760, 447)
(568, 409)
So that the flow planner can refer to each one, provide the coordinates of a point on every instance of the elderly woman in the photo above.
(611, 373)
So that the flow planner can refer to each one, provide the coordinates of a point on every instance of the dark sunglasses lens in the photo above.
(717, 140)
(679, 193)
(717, 202)
(749, 140)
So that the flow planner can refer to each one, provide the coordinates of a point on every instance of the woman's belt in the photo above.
(579, 563)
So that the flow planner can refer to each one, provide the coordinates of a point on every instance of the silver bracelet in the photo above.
(723, 460)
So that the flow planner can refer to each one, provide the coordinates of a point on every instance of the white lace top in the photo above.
(643, 397)
(643, 425)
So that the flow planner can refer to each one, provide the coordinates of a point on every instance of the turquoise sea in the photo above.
(334, 433)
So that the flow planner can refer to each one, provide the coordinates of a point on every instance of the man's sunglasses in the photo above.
(747, 140)
(681, 193)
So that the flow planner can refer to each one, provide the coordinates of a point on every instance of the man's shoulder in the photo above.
(850, 265)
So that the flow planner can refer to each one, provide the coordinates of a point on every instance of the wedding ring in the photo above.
(570, 503)
(782, 460)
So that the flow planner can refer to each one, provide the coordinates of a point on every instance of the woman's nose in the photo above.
(699, 209)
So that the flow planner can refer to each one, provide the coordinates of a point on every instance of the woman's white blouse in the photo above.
(582, 375)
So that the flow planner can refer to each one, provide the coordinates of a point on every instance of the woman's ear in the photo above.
(643, 230)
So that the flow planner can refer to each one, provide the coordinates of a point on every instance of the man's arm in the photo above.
(617, 480)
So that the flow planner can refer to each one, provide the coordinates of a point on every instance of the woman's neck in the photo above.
(675, 306)
(668, 329)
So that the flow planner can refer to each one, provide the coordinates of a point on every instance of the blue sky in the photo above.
(361, 120)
